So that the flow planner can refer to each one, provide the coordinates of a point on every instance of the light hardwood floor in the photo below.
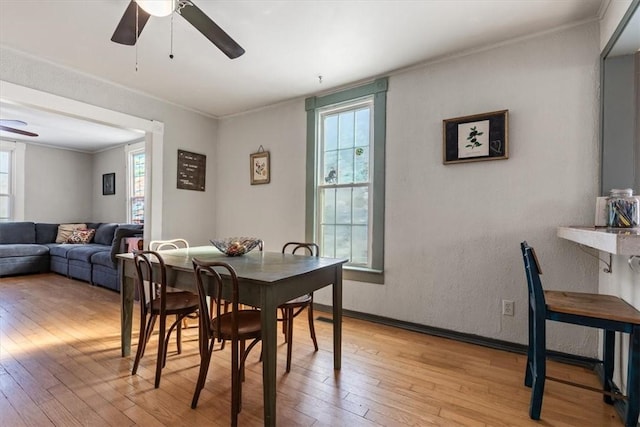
(60, 365)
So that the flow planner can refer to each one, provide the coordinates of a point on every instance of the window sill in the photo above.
(359, 274)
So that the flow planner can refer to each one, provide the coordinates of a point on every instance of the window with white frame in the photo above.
(12, 176)
(345, 191)
(135, 183)
(6, 184)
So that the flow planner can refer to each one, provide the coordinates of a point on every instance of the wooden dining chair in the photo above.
(294, 307)
(159, 245)
(156, 302)
(606, 312)
(236, 326)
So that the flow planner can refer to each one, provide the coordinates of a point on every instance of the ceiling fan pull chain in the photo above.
(171, 48)
(137, 10)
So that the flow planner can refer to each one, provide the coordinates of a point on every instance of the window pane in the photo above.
(346, 129)
(328, 206)
(328, 241)
(331, 167)
(345, 166)
(343, 241)
(4, 183)
(343, 206)
(330, 132)
(361, 165)
(4, 207)
(4, 161)
(361, 205)
(362, 127)
(359, 251)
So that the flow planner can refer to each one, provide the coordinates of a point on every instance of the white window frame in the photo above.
(16, 178)
(130, 151)
(352, 105)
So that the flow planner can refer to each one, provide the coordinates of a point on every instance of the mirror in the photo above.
(620, 134)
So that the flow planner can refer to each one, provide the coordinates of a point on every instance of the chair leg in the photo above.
(162, 350)
(289, 335)
(142, 343)
(179, 334)
(539, 370)
(608, 362)
(312, 329)
(528, 377)
(205, 358)
(633, 379)
(235, 383)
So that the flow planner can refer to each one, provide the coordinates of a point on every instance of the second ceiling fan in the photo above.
(138, 13)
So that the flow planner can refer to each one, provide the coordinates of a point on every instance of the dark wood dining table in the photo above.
(266, 280)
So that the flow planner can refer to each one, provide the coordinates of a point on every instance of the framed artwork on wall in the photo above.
(476, 138)
(192, 171)
(259, 167)
(109, 184)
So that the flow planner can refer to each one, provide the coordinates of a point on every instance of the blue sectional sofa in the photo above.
(28, 247)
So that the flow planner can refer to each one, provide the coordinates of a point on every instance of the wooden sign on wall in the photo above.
(192, 169)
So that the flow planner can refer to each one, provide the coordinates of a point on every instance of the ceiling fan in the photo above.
(125, 32)
(6, 125)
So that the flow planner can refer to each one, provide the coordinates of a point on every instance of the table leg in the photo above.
(337, 318)
(126, 313)
(633, 379)
(268, 318)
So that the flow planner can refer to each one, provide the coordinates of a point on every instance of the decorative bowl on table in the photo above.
(235, 246)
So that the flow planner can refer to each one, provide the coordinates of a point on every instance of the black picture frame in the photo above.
(192, 171)
(476, 138)
(109, 184)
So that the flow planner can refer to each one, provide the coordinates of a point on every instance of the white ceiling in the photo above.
(288, 43)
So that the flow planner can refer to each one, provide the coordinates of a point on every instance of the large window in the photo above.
(12, 174)
(136, 183)
(5, 184)
(345, 179)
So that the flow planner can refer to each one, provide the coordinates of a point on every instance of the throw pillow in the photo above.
(81, 236)
(65, 230)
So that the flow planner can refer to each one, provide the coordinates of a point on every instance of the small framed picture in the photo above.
(476, 138)
(108, 184)
(259, 168)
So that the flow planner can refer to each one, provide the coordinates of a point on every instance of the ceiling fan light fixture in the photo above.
(158, 7)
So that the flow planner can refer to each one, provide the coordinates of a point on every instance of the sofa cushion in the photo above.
(65, 230)
(84, 252)
(81, 236)
(46, 233)
(104, 233)
(103, 258)
(17, 232)
(19, 250)
(60, 250)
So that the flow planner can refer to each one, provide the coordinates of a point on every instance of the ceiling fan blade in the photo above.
(18, 131)
(12, 122)
(210, 29)
(125, 32)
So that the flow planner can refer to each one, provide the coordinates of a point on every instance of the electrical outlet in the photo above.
(507, 307)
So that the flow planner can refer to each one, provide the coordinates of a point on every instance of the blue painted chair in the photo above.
(606, 312)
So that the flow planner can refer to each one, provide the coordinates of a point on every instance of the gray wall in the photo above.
(111, 208)
(619, 123)
(182, 209)
(56, 185)
(453, 232)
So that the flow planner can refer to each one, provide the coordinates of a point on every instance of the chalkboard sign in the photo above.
(192, 168)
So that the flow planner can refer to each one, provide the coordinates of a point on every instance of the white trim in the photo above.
(154, 138)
